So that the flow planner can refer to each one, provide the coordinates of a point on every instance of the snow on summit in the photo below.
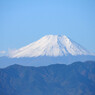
(50, 45)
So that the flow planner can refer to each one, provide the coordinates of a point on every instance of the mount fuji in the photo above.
(50, 49)
(50, 45)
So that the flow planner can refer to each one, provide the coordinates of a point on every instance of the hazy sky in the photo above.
(25, 21)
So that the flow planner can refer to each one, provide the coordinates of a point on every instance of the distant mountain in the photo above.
(59, 79)
(50, 49)
(50, 45)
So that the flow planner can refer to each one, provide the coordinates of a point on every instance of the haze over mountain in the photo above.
(50, 45)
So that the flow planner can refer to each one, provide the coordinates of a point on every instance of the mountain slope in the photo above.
(50, 45)
(75, 79)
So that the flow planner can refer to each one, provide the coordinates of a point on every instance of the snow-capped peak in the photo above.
(50, 45)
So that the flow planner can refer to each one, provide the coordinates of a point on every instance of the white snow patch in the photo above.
(50, 45)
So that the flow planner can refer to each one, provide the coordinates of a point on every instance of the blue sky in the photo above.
(25, 21)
